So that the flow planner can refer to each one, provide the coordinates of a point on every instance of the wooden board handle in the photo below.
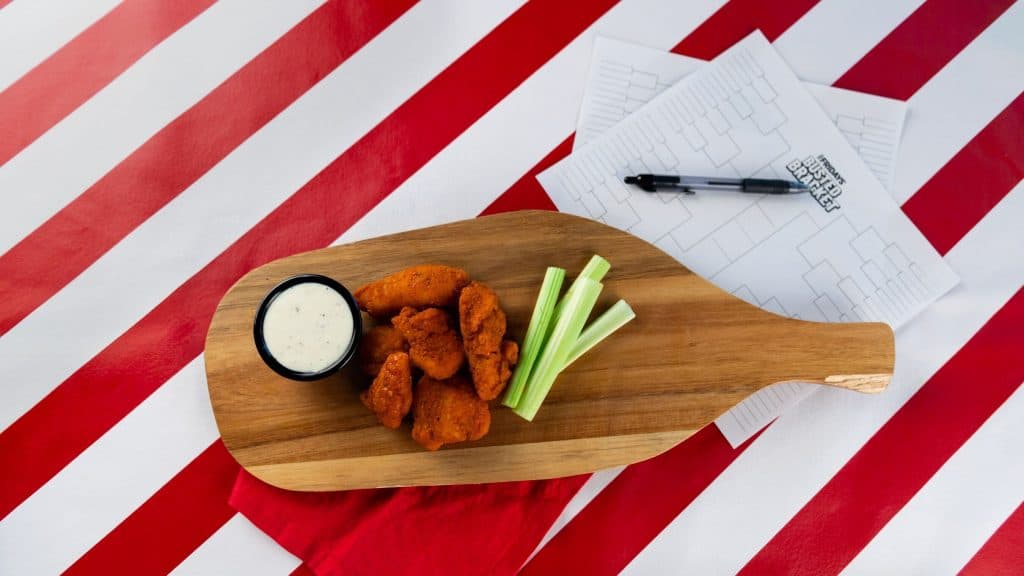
(854, 356)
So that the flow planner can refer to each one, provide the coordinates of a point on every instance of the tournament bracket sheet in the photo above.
(843, 252)
(624, 76)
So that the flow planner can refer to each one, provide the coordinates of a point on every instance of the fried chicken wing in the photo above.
(434, 346)
(424, 286)
(483, 327)
(390, 395)
(448, 411)
(378, 343)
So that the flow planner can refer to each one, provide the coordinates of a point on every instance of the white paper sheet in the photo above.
(871, 124)
(624, 76)
(844, 253)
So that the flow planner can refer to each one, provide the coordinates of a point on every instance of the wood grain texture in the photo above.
(692, 352)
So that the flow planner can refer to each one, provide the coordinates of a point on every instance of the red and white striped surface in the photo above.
(151, 152)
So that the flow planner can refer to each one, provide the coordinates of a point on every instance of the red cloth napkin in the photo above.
(471, 529)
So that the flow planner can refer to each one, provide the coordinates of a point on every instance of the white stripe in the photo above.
(466, 194)
(480, 146)
(960, 100)
(484, 133)
(516, 133)
(238, 548)
(80, 149)
(408, 32)
(522, 128)
(504, 144)
(948, 521)
(835, 34)
(97, 490)
(139, 272)
(792, 459)
(513, 136)
(32, 30)
(597, 482)
(494, 152)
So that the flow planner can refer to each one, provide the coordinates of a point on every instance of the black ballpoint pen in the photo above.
(687, 184)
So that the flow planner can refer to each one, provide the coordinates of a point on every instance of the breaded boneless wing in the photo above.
(430, 285)
(448, 411)
(483, 327)
(434, 345)
(390, 395)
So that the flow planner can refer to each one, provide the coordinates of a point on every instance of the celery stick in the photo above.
(614, 318)
(556, 350)
(543, 311)
(595, 270)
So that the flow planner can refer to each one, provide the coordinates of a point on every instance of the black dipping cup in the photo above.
(261, 312)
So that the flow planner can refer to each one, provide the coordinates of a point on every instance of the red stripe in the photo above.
(993, 161)
(730, 24)
(736, 19)
(184, 150)
(302, 570)
(83, 66)
(586, 539)
(897, 461)
(936, 208)
(526, 193)
(1003, 553)
(172, 523)
(110, 385)
(896, 67)
(115, 381)
(594, 540)
(944, 217)
(156, 514)
(643, 499)
(160, 513)
(920, 46)
(592, 534)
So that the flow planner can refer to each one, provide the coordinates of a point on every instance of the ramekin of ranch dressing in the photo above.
(307, 327)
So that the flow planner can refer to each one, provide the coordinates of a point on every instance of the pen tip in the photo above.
(630, 180)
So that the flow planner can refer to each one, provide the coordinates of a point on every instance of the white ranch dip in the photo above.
(308, 327)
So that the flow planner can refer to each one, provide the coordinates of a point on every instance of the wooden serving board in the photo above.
(692, 352)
